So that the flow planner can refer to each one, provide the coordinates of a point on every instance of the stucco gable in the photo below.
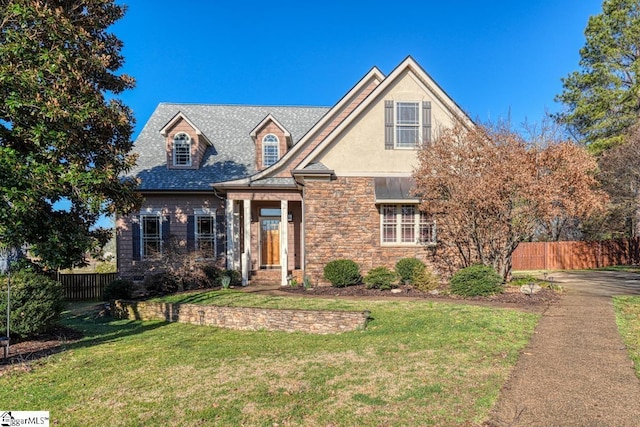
(357, 145)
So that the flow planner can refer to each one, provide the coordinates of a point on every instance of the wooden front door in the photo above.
(270, 242)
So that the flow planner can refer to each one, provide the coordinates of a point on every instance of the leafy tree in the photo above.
(64, 137)
(602, 98)
(489, 190)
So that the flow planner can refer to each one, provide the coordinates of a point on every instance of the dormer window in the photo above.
(181, 149)
(270, 150)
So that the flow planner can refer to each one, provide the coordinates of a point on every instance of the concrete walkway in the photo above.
(575, 371)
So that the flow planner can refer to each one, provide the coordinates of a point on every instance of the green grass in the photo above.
(628, 320)
(629, 268)
(418, 363)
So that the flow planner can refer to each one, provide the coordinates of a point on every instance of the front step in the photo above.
(265, 277)
(271, 276)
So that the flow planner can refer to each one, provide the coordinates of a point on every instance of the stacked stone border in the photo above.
(244, 318)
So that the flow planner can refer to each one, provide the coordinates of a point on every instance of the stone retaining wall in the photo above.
(243, 318)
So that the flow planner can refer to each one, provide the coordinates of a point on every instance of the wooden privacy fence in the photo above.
(576, 255)
(85, 287)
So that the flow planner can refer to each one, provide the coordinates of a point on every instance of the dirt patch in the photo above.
(511, 297)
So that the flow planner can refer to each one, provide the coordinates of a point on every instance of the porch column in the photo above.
(284, 241)
(230, 233)
(246, 254)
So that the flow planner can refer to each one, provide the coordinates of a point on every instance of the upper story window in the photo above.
(181, 149)
(405, 225)
(270, 150)
(407, 124)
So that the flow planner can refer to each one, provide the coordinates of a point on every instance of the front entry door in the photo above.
(270, 242)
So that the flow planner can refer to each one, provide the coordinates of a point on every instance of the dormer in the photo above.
(185, 143)
(272, 141)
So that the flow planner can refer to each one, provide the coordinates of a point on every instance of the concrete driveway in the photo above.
(598, 283)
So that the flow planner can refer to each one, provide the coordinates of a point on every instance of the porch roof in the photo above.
(395, 190)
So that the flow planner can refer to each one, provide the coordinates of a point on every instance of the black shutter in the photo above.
(221, 231)
(388, 125)
(426, 122)
(135, 238)
(191, 233)
(166, 232)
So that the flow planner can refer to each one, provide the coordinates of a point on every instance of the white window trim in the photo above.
(149, 213)
(205, 213)
(275, 143)
(396, 125)
(188, 142)
(398, 225)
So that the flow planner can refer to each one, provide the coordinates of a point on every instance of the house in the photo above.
(280, 191)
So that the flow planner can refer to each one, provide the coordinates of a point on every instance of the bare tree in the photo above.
(489, 190)
(620, 177)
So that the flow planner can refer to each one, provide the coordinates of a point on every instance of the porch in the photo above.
(265, 236)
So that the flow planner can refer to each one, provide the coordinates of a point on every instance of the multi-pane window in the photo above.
(405, 224)
(181, 150)
(205, 235)
(151, 235)
(407, 124)
(270, 150)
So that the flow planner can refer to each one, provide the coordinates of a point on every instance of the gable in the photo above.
(359, 148)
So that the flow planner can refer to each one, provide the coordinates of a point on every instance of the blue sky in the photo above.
(494, 58)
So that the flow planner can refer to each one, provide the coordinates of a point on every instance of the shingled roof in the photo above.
(228, 127)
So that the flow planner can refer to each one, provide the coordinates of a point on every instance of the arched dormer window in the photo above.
(270, 150)
(181, 149)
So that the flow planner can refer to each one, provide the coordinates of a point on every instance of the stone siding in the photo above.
(244, 318)
(343, 221)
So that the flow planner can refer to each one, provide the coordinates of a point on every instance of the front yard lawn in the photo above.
(418, 363)
(628, 320)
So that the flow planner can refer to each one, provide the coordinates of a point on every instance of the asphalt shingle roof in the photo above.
(232, 155)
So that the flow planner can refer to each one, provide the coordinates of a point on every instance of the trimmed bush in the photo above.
(424, 280)
(408, 267)
(342, 272)
(36, 304)
(380, 278)
(118, 289)
(476, 280)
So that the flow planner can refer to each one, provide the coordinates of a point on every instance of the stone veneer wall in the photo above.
(343, 221)
(243, 318)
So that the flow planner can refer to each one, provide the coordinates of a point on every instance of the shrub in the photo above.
(36, 303)
(118, 289)
(160, 284)
(213, 274)
(408, 267)
(477, 280)
(424, 280)
(380, 278)
(236, 277)
(342, 272)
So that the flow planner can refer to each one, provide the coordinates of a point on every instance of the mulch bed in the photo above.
(23, 353)
(509, 298)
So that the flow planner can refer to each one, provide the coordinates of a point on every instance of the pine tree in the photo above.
(603, 98)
